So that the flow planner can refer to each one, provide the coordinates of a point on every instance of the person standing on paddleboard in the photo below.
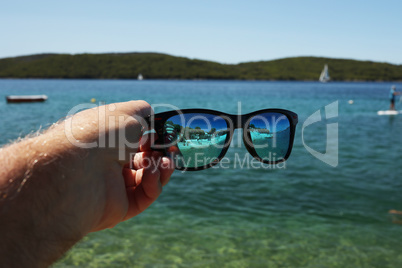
(392, 95)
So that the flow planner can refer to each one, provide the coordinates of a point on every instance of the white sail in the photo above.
(324, 77)
(140, 77)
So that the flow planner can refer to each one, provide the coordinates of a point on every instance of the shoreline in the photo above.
(201, 79)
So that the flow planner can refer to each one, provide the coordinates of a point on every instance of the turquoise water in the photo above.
(302, 214)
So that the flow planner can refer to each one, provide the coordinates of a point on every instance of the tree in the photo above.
(212, 131)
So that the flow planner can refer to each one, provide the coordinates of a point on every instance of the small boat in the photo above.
(140, 77)
(389, 112)
(26, 98)
(324, 76)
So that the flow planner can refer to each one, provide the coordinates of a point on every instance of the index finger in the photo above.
(147, 140)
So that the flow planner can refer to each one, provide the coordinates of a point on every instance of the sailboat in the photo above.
(324, 76)
(140, 77)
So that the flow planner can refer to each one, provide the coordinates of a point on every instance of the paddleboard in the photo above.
(389, 112)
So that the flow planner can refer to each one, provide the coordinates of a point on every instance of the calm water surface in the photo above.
(302, 214)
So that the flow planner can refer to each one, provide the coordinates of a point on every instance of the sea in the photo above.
(327, 206)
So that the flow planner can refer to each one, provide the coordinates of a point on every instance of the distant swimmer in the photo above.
(396, 212)
(396, 216)
(392, 95)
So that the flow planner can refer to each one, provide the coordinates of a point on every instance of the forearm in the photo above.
(38, 194)
(54, 191)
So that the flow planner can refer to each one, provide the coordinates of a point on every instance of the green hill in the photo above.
(162, 66)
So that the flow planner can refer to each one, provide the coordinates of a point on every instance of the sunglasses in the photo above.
(198, 139)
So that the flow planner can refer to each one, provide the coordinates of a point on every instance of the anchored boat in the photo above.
(26, 98)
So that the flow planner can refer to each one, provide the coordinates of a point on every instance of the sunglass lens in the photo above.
(270, 135)
(195, 140)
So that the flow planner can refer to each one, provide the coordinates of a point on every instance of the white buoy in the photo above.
(350, 101)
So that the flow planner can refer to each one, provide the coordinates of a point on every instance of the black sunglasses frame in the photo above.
(157, 122)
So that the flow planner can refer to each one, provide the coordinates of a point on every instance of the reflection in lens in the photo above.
(195, 139)
(270, 135)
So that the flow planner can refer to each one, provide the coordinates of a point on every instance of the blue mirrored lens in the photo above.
(270, 135)
(195, 139)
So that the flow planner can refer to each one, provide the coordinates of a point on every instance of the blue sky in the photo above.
(224, 31)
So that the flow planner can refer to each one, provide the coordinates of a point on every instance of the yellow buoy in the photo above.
(93, 100)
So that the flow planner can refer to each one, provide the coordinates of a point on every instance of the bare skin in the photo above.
(53, 193)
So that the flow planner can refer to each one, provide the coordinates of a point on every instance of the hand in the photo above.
(126, 187)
